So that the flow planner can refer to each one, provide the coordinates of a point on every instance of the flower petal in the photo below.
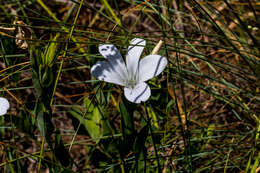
(104, 71)
(133, 55)
(111, 53)
(141, 92)
(151, 66)
(4, 106)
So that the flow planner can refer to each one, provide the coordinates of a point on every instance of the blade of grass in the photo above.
(63, 27)
(65, 51)
(106, 4)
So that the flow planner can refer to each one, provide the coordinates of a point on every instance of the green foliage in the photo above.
(91, 119)
(61, 152)
(7, 48)
(51, 52)
(44, 124)
(203, 114)
(43, 75)
(140, 149)
(127, 121)
(25, 123)
(44, 69)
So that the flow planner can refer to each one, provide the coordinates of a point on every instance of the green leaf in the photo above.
(107, 129)
(93, 125)
(35, 56)
(44, 124)
(25, 123)
(41, 124)
(47, 78)
(60, 151)
(88, 105)
(127, 121)
(92, 122)
(139, 149)
(139, 144)
(128, 127)
(153, 116)
(51, 52)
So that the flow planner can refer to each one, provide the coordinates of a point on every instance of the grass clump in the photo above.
(203, 113)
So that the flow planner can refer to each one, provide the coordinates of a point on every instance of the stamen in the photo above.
(130, 83)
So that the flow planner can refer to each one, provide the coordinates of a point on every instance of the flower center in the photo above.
(131, 83)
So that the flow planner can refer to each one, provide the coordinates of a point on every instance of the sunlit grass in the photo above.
(203, 114)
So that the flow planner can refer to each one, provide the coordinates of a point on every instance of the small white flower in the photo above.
(132, 74)
(4, 106)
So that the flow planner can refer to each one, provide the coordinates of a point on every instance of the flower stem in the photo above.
(153, 140)
(41, 152)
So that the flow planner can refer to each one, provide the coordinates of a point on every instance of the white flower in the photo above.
(132, 74)
(4, 106)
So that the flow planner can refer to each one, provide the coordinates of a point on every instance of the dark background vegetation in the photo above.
(203, 115)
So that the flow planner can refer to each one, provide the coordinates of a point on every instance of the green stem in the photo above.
(65, 52)
(41, 153)
(153, 140)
